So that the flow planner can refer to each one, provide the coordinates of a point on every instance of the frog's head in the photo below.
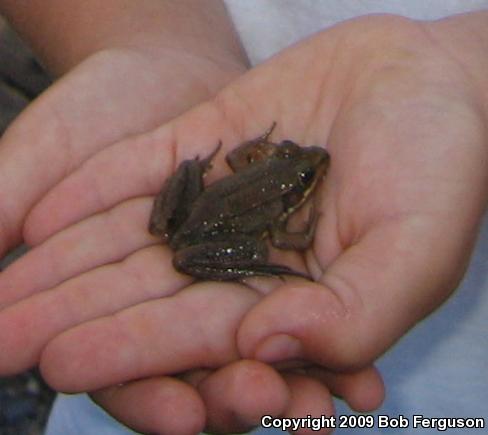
(310, 165)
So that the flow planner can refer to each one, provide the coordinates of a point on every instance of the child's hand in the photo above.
(119, 81)
(402, 112)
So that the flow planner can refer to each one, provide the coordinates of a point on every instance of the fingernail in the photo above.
(280, 347)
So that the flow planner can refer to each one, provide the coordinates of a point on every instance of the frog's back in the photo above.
(242, 203)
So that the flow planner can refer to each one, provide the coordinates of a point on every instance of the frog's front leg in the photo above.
(229, 261)
(173, 204)
(301, 240)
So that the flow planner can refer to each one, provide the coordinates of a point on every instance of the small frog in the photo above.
(218, 232)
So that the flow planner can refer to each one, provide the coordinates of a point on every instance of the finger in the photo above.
(74, 118)
(102, 182)
(239, 394)
(194, 328)
(101, 239)
(370, 295)
(363, 390)
(309, 397)
(139, 165)
(27, 326)
(156, 405)
(133, 167)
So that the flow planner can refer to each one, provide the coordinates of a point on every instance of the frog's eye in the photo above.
(288, 149)
(306, 176)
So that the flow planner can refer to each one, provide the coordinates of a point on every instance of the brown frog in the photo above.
(218, 232)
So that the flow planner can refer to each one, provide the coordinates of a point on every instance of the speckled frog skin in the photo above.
(218, 232)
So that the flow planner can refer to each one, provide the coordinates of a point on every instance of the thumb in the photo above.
(367, 298)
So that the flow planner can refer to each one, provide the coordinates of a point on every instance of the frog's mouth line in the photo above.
(318, 178)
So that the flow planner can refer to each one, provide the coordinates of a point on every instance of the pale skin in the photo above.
(404, 123)
(187, 51)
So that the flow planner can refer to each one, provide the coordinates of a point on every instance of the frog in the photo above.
(220, 231)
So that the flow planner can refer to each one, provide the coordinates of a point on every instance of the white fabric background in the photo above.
(267, 26)
(440, 368)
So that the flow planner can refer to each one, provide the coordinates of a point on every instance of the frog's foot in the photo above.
(282, 239)
(265, 136)
(251, 151)
(229, 261)
(206, 163)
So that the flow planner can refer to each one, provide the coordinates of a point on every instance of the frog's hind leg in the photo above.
(229, 261)
(173, 204)
(277, 270)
